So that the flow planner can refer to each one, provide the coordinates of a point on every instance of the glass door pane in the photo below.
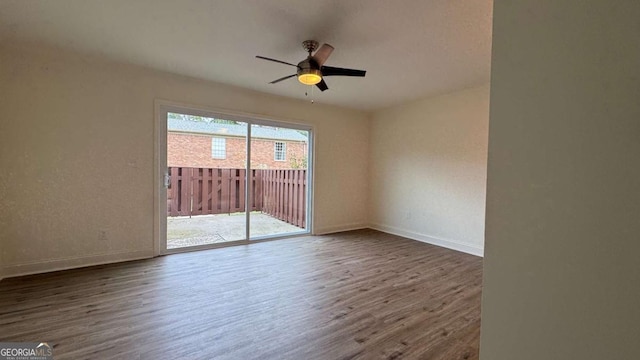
(279, 161)
(206, 160)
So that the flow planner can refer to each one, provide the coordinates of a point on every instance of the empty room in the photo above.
(319, 180)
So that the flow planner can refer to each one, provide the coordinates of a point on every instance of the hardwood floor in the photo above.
(354, 295)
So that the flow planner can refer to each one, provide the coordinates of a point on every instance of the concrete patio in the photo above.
(186, 231)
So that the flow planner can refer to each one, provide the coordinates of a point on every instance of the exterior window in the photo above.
(218, 148)
(280, 151)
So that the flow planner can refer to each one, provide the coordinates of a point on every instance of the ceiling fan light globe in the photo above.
(309, 78)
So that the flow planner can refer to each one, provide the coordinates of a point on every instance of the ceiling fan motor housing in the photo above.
(308, 66)
(309, 72)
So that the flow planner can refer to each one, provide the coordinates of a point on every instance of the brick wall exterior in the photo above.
(194, 150)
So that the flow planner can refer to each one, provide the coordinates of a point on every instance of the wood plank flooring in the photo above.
(354, 295)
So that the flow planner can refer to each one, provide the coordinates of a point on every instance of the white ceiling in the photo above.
(410, 48)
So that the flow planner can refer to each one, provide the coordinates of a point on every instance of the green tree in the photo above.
(200, 119)
(296, 162)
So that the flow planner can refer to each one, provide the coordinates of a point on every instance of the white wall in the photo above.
(77, 141)
(428, 169)
(561, 267)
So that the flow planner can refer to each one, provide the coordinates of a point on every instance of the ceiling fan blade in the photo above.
(282, 78)
(334, 71)
(274, 60)
(322, 85)
(322, 54)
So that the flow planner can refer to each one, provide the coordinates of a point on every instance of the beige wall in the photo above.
(561, 267)
(77, 155)
(428, 169)
(2, 250)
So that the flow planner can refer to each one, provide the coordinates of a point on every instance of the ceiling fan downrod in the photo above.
(310, 46)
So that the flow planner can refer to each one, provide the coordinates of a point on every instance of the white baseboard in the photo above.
(13, 270)
(340, 228)
(449, 244)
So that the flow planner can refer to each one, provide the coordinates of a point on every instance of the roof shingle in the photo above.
(212, 128)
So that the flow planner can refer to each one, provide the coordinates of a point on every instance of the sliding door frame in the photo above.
(162, 108)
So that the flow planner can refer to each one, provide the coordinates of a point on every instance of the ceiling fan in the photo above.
(312, 70)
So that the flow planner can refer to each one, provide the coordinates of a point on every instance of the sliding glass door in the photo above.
(230, 179)
(279, 161)
(206, 165)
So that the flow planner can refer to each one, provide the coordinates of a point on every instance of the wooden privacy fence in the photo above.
(201, 191)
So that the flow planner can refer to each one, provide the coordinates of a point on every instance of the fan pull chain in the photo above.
(306, 93)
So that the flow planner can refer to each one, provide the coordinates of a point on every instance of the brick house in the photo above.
(217, 145)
